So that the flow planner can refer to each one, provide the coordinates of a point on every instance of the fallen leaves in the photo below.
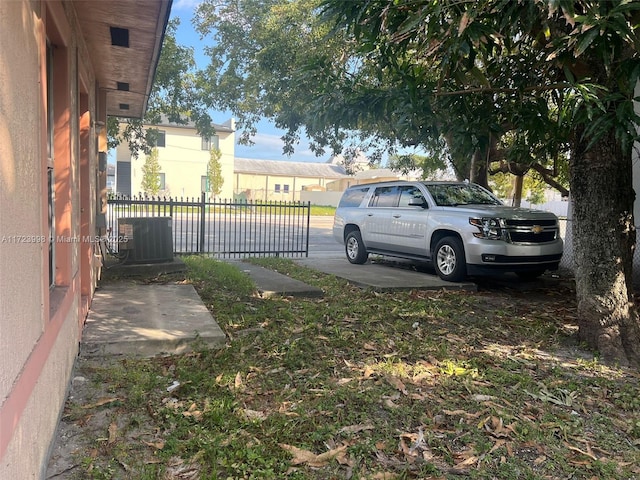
(102, 402)
(113, 432)
(306, 457)
(496, 428)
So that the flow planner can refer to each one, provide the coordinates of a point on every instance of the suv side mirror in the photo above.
(418, 202)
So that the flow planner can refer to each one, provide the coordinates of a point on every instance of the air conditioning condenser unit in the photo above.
(145, 239)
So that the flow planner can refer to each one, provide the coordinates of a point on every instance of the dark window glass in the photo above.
(384, 197)
(353, 197)
(161, 139)
(51, 208)
(409, 193)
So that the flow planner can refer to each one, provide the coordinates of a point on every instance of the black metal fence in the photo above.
(222, 228)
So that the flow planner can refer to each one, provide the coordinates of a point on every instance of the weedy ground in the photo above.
(362, 385)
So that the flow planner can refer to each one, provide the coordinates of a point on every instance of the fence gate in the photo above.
(224, 228)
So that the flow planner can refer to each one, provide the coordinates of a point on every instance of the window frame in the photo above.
(208, 143)
(51, 179)
(162, 135)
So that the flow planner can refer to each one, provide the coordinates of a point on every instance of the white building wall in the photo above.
(262, 187)
(183, 163)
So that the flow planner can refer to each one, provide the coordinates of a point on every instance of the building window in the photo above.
(161, 138)
(286, 189)
(277, 188)
(210, 142)
(162, 181)
(51, 209)
(204, 183)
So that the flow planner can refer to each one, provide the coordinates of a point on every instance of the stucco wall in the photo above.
(21, 181)
(29, 449)
(39, 327)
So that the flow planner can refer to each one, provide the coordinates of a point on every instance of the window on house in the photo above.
(210, 142)
(204, 183)
(161, 138)
(277, 188)
(51, 210)
(286, 189)
(162, 181)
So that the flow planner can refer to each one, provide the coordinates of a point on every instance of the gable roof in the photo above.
(228, 126)
(288, 169)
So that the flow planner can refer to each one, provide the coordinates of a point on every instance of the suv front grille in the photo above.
(531, 231)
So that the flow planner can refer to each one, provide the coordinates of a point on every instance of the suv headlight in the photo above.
(490, 228)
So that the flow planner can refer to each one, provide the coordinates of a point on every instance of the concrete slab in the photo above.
(383, 276)
(147, 320)
(115, 268)
(270, 283)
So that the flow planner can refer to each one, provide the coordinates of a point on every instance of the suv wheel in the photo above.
(355, 249)
(449, 261)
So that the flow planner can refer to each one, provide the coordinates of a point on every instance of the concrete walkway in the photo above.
(129, 318)
(270, 283)
(147, 320)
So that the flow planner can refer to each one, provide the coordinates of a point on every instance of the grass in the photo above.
(360, 384)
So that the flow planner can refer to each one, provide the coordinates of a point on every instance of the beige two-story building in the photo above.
(184, 157)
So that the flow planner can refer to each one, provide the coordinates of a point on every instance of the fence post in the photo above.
(306, 248)
(202, 220)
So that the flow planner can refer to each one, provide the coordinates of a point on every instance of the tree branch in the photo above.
(536, 88)
(545, 174)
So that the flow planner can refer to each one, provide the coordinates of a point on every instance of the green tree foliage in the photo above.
(214, 172)
(279, 59)
(151, 173)
(552, 73)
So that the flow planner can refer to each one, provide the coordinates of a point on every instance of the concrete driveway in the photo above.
(382, 275)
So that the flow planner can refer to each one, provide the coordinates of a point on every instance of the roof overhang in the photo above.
(124, 39)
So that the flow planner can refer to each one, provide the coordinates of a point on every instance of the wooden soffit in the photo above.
(124, 38)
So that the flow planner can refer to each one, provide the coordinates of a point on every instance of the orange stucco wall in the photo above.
(40, 327)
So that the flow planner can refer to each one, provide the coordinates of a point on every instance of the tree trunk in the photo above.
(479, 171)
(518, 180)
(604, 240)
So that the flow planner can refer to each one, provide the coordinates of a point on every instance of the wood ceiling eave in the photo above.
(146, 21)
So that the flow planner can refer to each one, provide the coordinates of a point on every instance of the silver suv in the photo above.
(460, 227)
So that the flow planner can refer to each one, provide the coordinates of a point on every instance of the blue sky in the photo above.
(268, 144)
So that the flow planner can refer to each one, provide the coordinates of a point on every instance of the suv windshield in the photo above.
(451, 195)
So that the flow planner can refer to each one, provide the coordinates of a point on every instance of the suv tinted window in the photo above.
(451, 195)
(353, 197)
(409, 193)
(384, 197)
